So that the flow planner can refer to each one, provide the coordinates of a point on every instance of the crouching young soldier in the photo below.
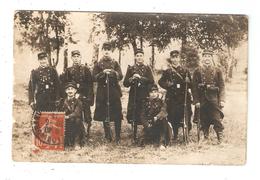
(74, 128)
(154, 119)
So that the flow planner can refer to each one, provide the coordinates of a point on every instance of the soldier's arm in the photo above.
(31, 88)
(90, 92)
(118, 70)
(57, 84)
(163, 113)
(195, 88)
(163, 81)
(221, 85)
(77, 111)
(98, 74)
(127, 82)
(148, 78)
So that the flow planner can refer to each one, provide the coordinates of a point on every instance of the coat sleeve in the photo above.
(195, 87)
(163, 81)
(127, 82)
(163, 113)
(90, 92)
(77, 111)
(57, 84)
(31, 88)
(118, 70)
(148, 78)
(98, 73)
(221, 85)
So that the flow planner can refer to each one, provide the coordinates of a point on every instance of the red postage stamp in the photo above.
(48, 130)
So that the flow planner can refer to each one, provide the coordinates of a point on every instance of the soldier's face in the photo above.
(76, 59)
(175, 60)
(139, 57)
(207, 59)
(71, 91)
(154, 94)
(107, 52)
(44, 62)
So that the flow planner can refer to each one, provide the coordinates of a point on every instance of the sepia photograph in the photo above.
(130, 87)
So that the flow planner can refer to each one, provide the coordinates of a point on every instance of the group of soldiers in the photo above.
(161, 116)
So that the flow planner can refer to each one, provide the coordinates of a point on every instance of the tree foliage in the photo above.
(43, 31)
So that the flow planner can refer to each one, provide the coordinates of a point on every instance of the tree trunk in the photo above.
(141, 42)
(119, 58)
(134, 44)
(152, 58)
(65, 65)
(95, 54)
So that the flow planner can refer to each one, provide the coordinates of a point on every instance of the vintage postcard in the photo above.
(110, 87)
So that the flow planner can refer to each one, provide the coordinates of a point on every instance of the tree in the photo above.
(43, 31)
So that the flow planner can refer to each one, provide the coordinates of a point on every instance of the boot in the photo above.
(108, 133)
(220, 137)
(206, 134)
(175, 135)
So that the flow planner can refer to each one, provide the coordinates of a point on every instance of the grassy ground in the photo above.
(232, 151)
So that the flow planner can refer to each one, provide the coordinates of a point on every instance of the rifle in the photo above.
(185, 126)
(134, 123)
(108, 103)
(197, 117)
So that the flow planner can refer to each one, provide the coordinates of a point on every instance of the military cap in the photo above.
(154, 87)
(207, 51)
(174, 53)
(71, 84)
(42, 55)
(107, 46)
(75, 52)
(139, 51)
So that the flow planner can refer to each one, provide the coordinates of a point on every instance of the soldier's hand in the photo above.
(33, 105)
(106, 71)
(169, 83)
(197, 105)
(77, 95)
(222, 104)
(66, 117)
(136, 76)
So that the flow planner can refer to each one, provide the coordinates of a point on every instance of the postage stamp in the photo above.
(48, 130)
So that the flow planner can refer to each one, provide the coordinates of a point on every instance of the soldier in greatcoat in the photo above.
(43, 88)
(176, 80)
(107, 73)
(139, 78)
(209, 95)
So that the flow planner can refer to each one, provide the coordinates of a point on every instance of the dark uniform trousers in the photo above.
(209, 90)
(174, 81)
(44, 88)
(111, 112)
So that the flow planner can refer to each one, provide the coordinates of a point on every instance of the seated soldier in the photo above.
(154, 120)
(72, 106)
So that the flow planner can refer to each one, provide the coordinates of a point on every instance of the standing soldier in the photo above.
(43, 86)
(81, 75)
(175, 79)
(107, 73)
(139, 78)
(209, 95)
